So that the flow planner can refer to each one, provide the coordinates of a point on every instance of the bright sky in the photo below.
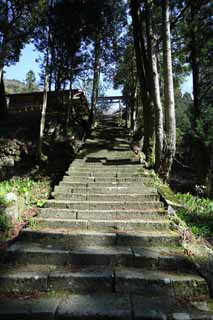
(28, 62)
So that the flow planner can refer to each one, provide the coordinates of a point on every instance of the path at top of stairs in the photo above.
(103, 247)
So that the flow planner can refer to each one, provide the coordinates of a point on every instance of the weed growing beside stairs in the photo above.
(197, 213)
(30, 194)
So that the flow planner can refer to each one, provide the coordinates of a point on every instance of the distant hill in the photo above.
(16, 86)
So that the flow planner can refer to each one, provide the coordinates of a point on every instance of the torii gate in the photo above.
(112, 100)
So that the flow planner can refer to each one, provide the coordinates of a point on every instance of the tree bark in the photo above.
(134, 109)
(199, 149)
(3, 101)
(170, 120)
(148, 146)
(69, 105)
(194, 64)
(41, 156)
(155, 85)
(96, 75)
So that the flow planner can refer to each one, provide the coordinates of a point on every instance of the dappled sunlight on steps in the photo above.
(103, 247)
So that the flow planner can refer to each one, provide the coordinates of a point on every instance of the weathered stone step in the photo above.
(72, 184)
(105, 205)
(105, 179)
(86, 306)
(103, 225)
(50, 278)
(66, 238)
(108, 172)
(150, 214)
(167, 259)
(93, 166)
(85, 280)
(105, 197)
(107, 190)
(102, 306)
(160, 283)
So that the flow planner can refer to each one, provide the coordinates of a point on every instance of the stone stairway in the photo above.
(103, 247)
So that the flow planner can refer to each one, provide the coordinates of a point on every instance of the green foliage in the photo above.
(30, 82)
(39, 203)
(14, 86)
(32, 192)
(29, 193)
(4, 224)
(197, 213)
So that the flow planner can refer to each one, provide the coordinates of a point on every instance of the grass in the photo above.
(197, 213)
(30, 193)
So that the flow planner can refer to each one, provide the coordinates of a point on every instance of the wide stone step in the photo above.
(150, 214)
(66, 238)
(41, 278)
(84, 184)
(106, 179)
(103, 225)
(105, 197)
(105, 205)
(160, 283)
(104, 172)
(107, 190)
(102, 306)
(97, 161)
(85, 306)
(167, 259)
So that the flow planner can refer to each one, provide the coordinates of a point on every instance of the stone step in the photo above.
(103, 225)
(41, 278)
(160, 283)
(97, 166)
(108, 172)
(66, 238)
(85, 306)
(167, 259)
(99, 214)
(105, 205)
(118, 184)
(106, 190)
(105, 179)
(26, 279)
(102, 306)
(104, 197)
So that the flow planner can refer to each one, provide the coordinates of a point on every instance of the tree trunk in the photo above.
(96, 76)
(155, 85)
(170, 121)
(139, 45)
(134, 110)
(3, 101)
(69, 106)
(41, 156)
(194, 45)
(200, 154)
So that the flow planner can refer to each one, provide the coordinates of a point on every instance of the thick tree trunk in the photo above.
(96, 76)
(139, 45)
(3, 101)
(41, 156)
(155, 85)
(170, 121)
(134, 110)
(199, 150)
(69, 106)
(195, 64)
